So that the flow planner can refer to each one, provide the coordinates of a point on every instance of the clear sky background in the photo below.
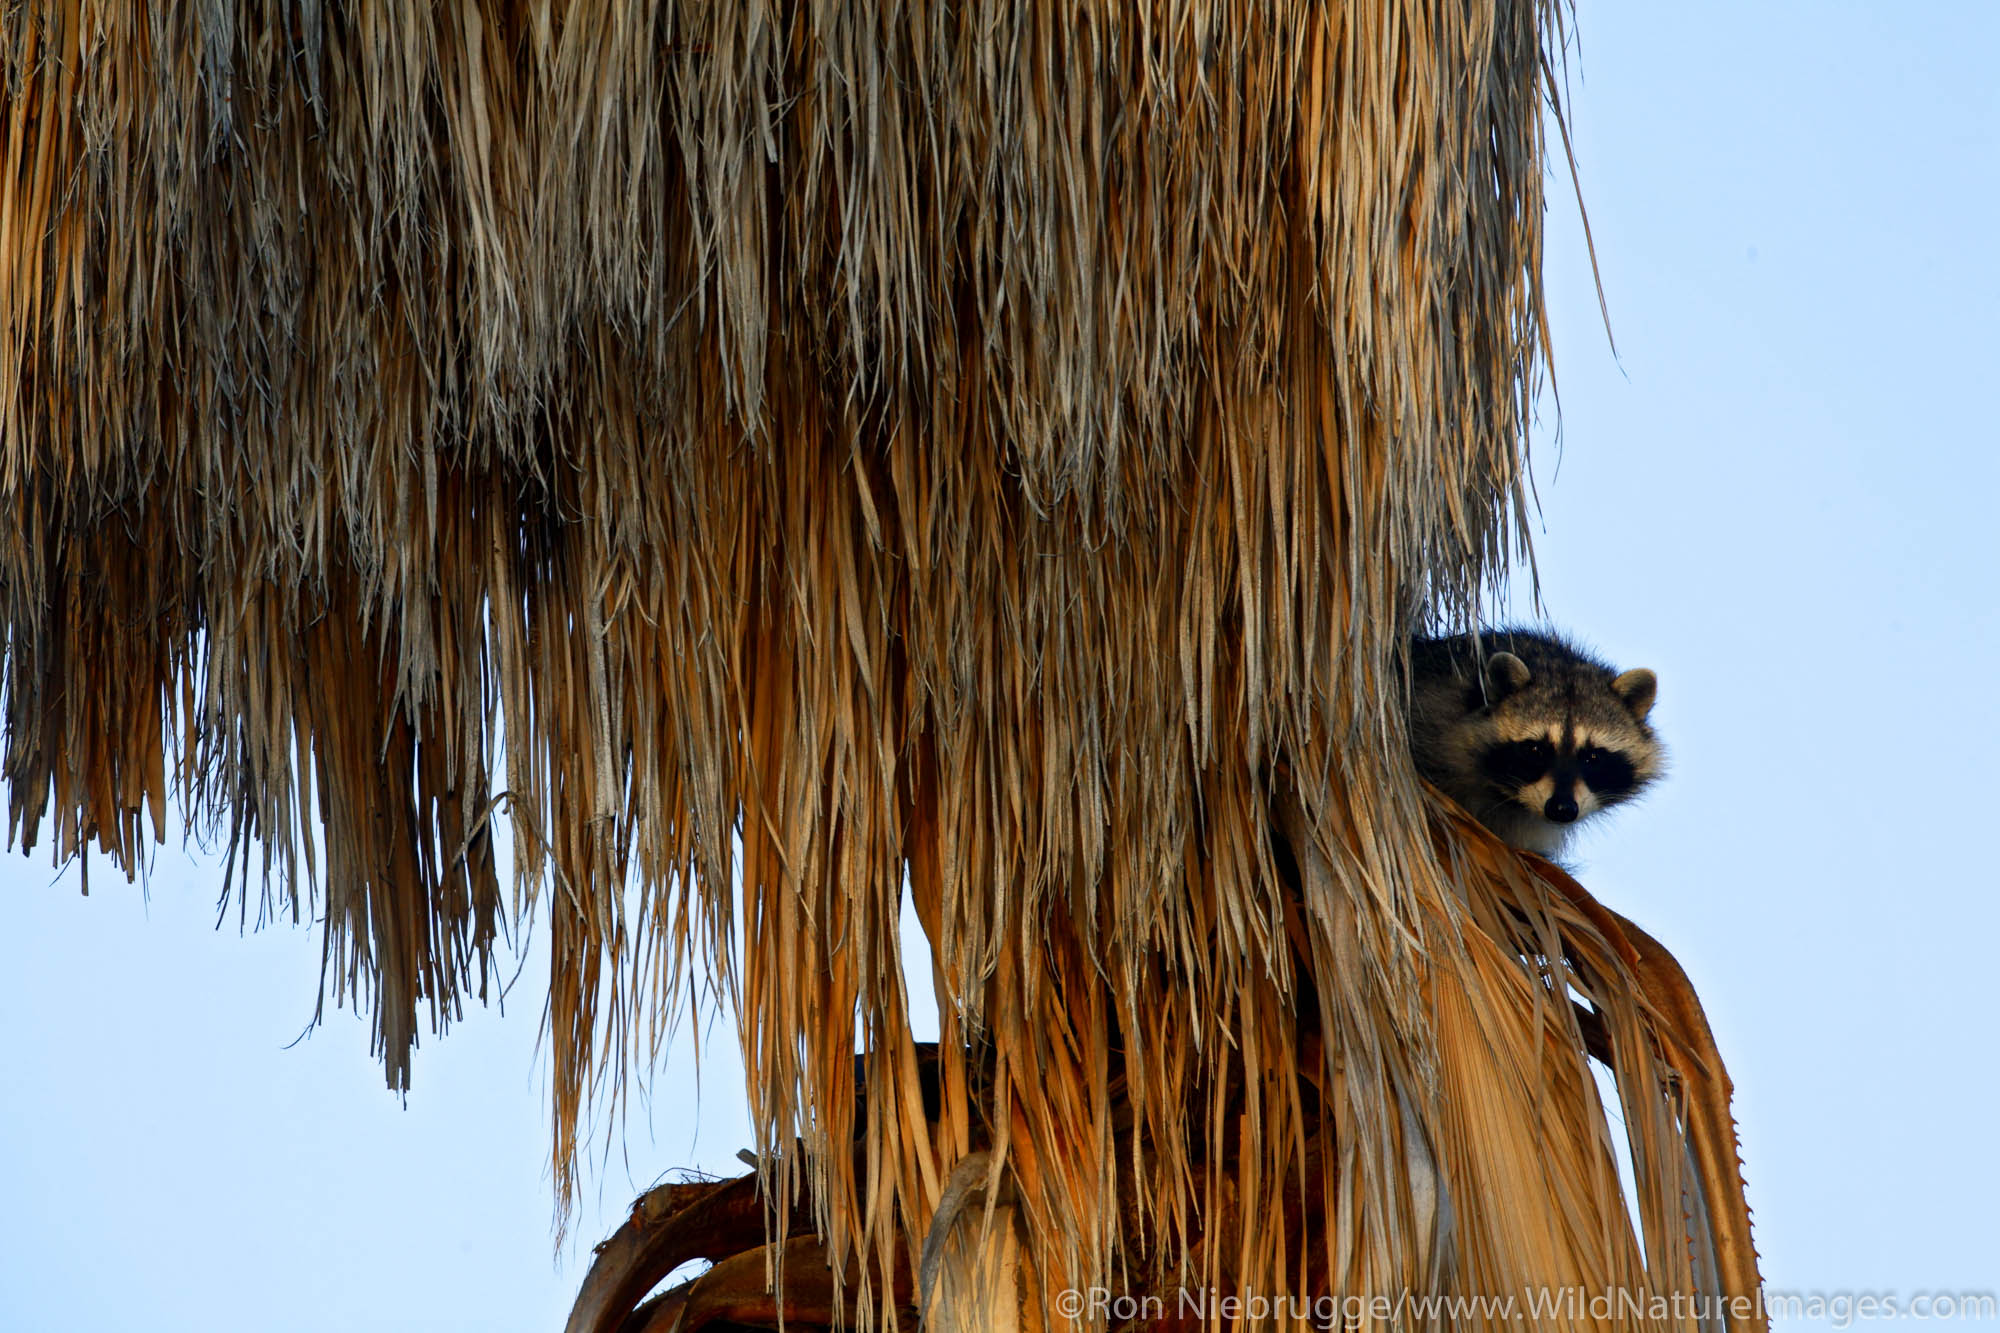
(1783, 494)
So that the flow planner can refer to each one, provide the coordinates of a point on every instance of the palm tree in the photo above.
(780, 458)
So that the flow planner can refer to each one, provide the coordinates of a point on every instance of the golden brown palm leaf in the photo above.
(1533, 1162)
(788, 452)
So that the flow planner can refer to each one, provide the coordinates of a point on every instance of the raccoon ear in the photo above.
(1637, 688)
(1505, 673)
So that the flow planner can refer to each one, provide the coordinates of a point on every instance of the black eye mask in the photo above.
(1518, 763)
(1607, 772)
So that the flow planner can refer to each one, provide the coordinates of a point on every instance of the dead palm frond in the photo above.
(796, 451)
(1481, 1189)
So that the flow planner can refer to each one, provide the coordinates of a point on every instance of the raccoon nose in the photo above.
(1561, 808)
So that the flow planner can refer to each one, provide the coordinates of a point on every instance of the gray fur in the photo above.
(1475, 733)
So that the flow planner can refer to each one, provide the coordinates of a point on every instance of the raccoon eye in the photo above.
(1518, 763)
(1606, 772)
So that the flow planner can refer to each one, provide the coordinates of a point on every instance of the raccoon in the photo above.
(1545, 737)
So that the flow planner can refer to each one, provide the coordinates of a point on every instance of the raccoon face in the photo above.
(1558, 748)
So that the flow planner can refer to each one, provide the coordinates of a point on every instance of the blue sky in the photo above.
(1781, 494)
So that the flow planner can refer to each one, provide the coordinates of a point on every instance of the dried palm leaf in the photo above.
(776, 454)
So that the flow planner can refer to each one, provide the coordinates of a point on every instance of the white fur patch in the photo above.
(1543, 836)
